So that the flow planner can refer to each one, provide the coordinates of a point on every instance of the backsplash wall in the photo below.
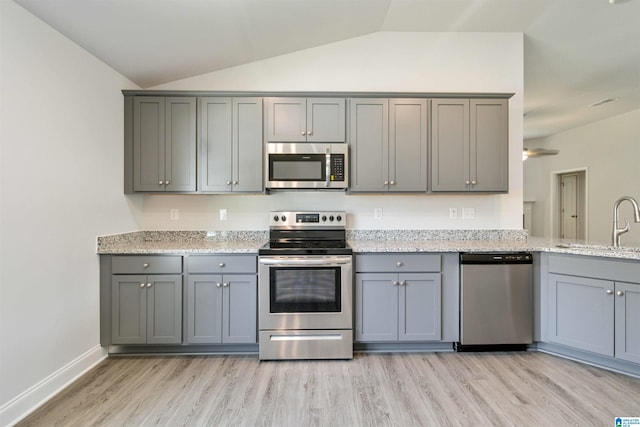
(249, 212)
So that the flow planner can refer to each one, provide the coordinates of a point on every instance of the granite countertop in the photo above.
(362, 241)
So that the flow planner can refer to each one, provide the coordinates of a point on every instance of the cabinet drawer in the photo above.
(146, 264)
(398, 262)
(222, 264)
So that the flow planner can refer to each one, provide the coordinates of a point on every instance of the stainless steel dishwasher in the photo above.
(496, 301)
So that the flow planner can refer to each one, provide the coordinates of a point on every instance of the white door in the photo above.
(569, 193)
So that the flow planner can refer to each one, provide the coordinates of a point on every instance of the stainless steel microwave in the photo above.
(307, 166)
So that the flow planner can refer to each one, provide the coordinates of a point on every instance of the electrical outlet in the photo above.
(174, 214)
(223, 215)
(377, 213)
(453, 213)
(468, 213)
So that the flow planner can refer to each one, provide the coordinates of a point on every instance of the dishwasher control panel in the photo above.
(496, 258)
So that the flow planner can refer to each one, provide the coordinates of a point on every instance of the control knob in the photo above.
(324, 218)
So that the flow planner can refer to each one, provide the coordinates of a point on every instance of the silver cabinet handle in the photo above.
(149, 285)
(145, 265)
(399, 264)
(228, 182)
(218, 285)
(161, 182)
(309, 132)
(609, 291)
(167, 183)
(620, 293)
(396, 283)
(402, 283)
(235, 182)
(226, 285)
(303, 133)
(392, 183)
(386, 183)
(142, 285)
(221, 265)
(467, 182)
(474, 182)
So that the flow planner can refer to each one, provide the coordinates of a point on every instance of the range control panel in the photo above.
(308, 219)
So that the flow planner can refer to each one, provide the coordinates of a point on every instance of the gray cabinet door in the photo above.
(247, 145)
(239, 323)
(420, 305)
(408, 145)
(129, 309)
(164, 309)
(376, 307)
(204, 309)
(581, 313)
(164, 144)
(286, 119)
(489, 145)
(146, 309)
(148, 143)
(627, 333)
(215, 144)
(326, 119)
(450, 144)
(231, 144)
(180, 144)
(469, 145)
(369, 140)
(222, 309)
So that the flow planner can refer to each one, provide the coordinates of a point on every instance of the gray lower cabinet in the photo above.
(599, 313)
(388, 139)
(160, 144)
(398, 306)
(230, 153)
(144, 300)
(469, 145)
(146, 309)
(222, 308)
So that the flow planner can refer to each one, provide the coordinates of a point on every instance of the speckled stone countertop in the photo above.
(362, 241)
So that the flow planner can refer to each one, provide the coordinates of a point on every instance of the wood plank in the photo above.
(373, 389)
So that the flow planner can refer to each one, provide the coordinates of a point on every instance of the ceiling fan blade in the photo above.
(534, 152)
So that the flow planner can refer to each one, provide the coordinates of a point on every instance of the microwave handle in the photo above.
(328, 167)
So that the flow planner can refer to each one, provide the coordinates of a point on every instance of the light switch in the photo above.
(468, 213)
(174, 214)
(377, 213)
(223, 214)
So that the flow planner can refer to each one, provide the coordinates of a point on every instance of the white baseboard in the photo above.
(31, 399)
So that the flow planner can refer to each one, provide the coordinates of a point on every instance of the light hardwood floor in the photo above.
(408, 389)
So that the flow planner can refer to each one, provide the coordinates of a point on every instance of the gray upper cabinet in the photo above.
(305, 119)
(230, 145)
(163, 134)
(469, 145)
(388, 140)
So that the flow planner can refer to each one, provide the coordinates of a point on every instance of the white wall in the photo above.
(384, 61)
(61, 186)
(609, 150)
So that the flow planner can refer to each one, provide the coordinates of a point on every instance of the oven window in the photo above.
(295, 167)
(305, 289)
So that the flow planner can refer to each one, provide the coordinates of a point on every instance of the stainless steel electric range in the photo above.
(305, 287)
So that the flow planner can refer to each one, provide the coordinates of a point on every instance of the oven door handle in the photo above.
(304, 262)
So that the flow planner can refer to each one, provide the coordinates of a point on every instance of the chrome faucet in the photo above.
(615, 236)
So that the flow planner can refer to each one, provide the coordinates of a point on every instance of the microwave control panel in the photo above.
(337, 167)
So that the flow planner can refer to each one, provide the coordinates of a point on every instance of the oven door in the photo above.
(307, 292)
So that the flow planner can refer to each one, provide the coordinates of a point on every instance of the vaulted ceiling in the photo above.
(577, 52)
